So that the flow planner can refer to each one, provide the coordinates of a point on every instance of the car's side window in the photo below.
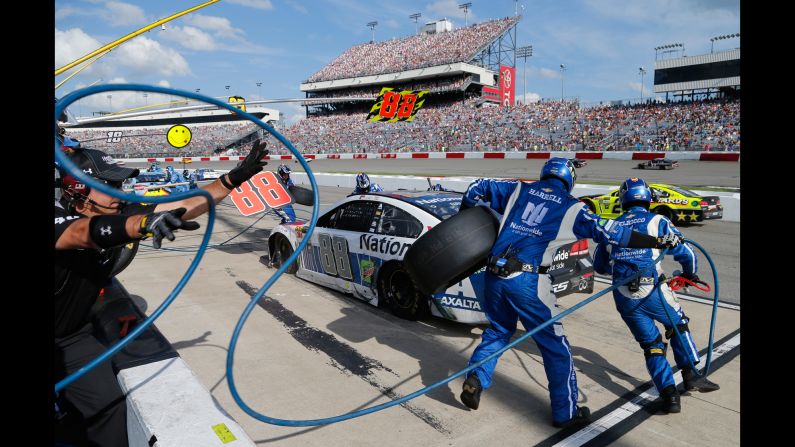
(329, 219)
(396, 222)
(658, 193)
(355, 216)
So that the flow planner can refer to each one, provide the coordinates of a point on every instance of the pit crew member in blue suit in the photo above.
(537, 218)
(172, 176)
(363, 185)
(641, 304)
(287, 212)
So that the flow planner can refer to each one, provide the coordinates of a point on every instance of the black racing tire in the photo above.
(127, 255)
(399, 293)
(281, 251)
(302, 196)
(664, 211)
(590, 205)
(452, 250)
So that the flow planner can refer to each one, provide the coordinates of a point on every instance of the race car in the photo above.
(659, 163)
(359, 244)
(207, 174)
(677, 204)
(578, 162)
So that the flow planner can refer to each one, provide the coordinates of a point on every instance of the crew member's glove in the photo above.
(160, 225)
(669, 240)
(691, 277)
(250, 166)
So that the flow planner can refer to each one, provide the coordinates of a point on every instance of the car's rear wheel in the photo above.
(281, 251)
(401, 296)
(664, 211)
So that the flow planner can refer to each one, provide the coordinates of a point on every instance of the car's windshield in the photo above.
(684, 192)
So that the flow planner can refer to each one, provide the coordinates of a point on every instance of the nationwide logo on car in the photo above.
(561, 256)
(383, 245)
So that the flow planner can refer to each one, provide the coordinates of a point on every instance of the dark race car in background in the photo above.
(579, 162)
(359, 244)
(659, 163)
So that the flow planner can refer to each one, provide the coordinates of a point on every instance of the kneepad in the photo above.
(655, 348)
(669, 332)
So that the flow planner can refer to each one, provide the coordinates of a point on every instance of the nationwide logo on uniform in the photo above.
(534, 214)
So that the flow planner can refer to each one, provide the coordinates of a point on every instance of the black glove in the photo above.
(691, 276)
(249, 167)
(160, 225)
(670, 240)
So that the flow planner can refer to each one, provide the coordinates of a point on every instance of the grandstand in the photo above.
(143, 134)
(706, 76)
(462, 71)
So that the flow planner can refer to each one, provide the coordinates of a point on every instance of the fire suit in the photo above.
(641, 308)
(287, 212)
(537, 219)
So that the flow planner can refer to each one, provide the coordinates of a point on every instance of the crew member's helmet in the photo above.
(560, 168)
(284, 172)
(362, 181)
(634, 191)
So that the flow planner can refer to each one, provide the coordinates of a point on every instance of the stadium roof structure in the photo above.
(424, 56)
(703, 72)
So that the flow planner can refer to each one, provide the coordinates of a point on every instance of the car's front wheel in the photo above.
(664, 211)
(281, 251)
(402, 298)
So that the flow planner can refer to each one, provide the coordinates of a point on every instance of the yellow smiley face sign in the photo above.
(179, 136)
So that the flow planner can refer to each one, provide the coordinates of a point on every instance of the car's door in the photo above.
(393, 231)
(327, 260)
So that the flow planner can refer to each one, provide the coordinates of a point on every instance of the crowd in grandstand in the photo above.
(409, 53)
(712, 125)
(435, 86)
(206, 139)
(552, 125)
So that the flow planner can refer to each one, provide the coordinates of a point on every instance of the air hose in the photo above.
(354, 414)
(64, 162)
(707, 364)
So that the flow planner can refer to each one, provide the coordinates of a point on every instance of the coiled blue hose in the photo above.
(707, 364)
(354, 414)
(64, 162)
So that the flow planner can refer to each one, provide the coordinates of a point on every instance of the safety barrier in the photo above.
(729, 200)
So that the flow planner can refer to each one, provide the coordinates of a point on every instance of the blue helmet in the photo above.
(634, 190)
(560, 168)
(362, 181)
(284, 171)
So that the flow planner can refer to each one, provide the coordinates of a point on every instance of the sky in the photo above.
(280, 43)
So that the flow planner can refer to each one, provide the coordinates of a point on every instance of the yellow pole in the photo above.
(81, 69)
(118, 42)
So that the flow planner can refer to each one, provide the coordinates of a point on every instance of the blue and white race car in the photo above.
(359, 243)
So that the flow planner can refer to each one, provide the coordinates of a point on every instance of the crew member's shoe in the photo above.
(471, 394)
(694, 383)
(671, 400)
(582, 417)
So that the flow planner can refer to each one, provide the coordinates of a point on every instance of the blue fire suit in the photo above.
(287, 212)
(537, 219)
(642, 308)
(374, 187)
